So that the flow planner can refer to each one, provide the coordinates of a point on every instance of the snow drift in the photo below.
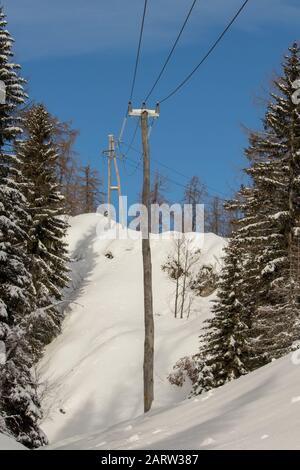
(258, 411)
(8, 443)
(92, 373)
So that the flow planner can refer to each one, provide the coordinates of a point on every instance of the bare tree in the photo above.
(159, 187)
(218, 219)
(195, 193)
(189, 259)
(179, 267)
(157, 197)
(174, 269)
(66, 165)
(89, 192)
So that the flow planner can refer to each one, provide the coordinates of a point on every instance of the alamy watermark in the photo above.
(158, 221)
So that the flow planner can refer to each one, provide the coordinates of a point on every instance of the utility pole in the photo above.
(111, 157)
(148, 368)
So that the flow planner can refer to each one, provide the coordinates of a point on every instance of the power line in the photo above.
(136, 164)
(136, 168)
(134, 149)
(171, 51)
(123, 127)
(207, 54)
(171, 180)
(137, 59)
(138, 50)
(130, 147)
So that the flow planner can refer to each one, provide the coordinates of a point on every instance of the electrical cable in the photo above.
(171, 169)
(137, 59)
(138, 51)
(136, 165)
(171, 51)
(211, 49)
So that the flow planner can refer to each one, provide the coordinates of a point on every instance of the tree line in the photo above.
(256, 316)
(80, 185)
(40, 182)
(216, 218)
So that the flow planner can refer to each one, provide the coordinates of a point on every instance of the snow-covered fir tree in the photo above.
(45, 245)
(258, 308)
(19, 404)
(278, 172)
(223, 354)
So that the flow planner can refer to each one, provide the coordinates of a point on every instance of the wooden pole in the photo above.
(148, 367)
(147, 273)
(110, 156)
(121, 208)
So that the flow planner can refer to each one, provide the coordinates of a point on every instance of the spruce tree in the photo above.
(45, 246)
(19, 404)
(224, 345)
(260, 314)
(278, 311)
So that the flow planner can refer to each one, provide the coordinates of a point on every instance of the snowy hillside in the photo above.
(258, 411)
(8, 443)
(93, 371)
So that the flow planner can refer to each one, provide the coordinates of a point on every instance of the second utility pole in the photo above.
(111, 156)
(148, 367)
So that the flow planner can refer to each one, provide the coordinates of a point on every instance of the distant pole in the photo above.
(148, 367)
(111, 154)
(118, 187)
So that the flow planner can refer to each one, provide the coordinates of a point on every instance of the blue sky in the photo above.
(78, 57)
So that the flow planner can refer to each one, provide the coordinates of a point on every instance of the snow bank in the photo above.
(92, 372)
(7, 443)
(258, 411)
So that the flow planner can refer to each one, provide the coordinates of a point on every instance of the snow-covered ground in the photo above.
(258, 411)
(8, 443)
(92, 372)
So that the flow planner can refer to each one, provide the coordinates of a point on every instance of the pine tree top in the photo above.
(10, 125)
